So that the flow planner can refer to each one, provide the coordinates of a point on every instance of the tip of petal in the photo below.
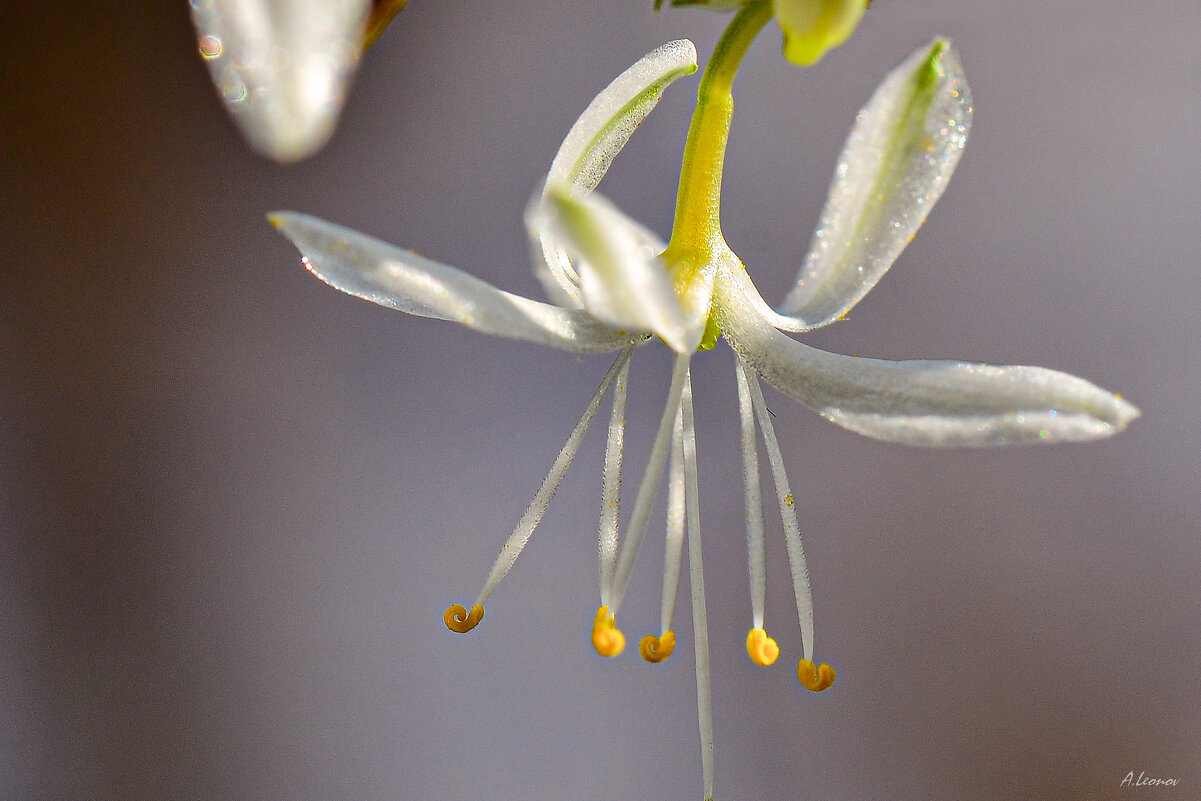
(1125, 413)
(292, 224)
(282, 68)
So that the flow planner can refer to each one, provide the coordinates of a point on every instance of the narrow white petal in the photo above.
(610, 518)
(400, 279)
(792, 529)
(649, 485)
(533, 514)
(622, 281)
(753, 500)
(599, 135)
(700, 615)
(282, 67)
(922, 402)
(894, 166)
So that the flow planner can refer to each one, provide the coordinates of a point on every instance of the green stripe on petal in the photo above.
(622, 280)
(895, 165)
(598, 136)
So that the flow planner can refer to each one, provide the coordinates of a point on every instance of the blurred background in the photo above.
(234, 502)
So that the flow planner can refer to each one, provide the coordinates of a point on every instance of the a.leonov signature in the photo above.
(1144, 780)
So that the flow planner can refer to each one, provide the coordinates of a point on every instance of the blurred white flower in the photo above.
(616, 285)
(282, 67)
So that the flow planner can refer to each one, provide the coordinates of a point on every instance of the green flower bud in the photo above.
(811, 27)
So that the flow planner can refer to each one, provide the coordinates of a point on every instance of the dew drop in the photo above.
(233, 89)
(211, 47)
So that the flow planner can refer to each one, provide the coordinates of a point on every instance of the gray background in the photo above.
(234, 502)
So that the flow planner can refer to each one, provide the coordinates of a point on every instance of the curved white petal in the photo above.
(400, 279)
(622, 280)
(282, 66)
(597, 136)
(900, 154)
(922, 402)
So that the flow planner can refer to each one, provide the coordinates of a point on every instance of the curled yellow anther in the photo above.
(607, 639)
(459, 620)
(815, 679)
(762, 650)
(655, 649)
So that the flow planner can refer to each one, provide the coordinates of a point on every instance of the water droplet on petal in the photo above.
(211, 47)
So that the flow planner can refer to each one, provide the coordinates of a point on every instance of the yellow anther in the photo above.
(607, 639)
(656, 649)
(815, 679)
(762, 650)
(459, 620)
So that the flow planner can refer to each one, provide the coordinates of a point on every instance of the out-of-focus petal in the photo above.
(282, 67)
(811, 27)
(381, 273)
(935, 403)
(597, 137)
(901, 152)
(622, 282)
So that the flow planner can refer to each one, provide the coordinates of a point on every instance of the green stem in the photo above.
(698, 222)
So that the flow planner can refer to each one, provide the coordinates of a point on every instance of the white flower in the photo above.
(282, 67)
(617, 285)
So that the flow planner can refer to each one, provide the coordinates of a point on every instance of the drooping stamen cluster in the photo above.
(457, 618)
(761, 648)
(691, 259)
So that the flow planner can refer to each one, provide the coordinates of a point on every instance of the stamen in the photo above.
(611, 485)
(792, 529)
(607, 639)
(541, 500)
(656, 649)
(696, 573)
(649, 485)
(459, 620)
(811, 678)
(815, 679)
(754, 500)
(762, 650)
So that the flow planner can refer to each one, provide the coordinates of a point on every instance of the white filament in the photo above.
(674, 547)
(792, 529)
(754, 499)
(649, 485)
(537, 508)
(610, 517)
(700, 622)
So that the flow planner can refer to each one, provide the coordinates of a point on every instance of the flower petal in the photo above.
(622, 282)
(400, 279)
(894, 166)
(935, 403)
(599, 135)
(282, 66)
